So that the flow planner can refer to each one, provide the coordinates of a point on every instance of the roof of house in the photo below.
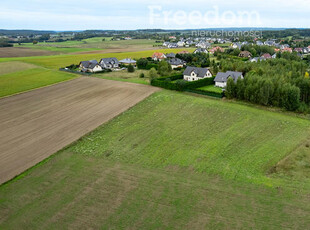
(266, 55)
(158, 55)
(170, 55)
(127, 61)
(89, 64)
(112, 61)
(217, 48)
(201, 72)
(239, 45)
(245, 53)
(175, 61)
(223, 77)
(201, 50)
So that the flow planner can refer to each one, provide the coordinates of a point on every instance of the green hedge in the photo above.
(200, 83)
(176, 82)
(207, 93)
(85, 73)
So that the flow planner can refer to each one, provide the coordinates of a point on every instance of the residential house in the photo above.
(259, 43)
(245, 54)
(90, 66)
(284, 46)
(158, 56)
(170, 55)
(269, 43)
(216, 49)
(222, 78)
(203, 45)
(128, 61)
(195, 73)
(201, 50)
(266, 56)
(181, 43)
(305, 50)
(176, 63)
(298, 50)
(290, 50)
(236, 45)
(256, 59)
(166, 44)
(173, 45)
(109, 63)
(274, 56)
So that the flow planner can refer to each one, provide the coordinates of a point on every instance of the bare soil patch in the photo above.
(36, 124)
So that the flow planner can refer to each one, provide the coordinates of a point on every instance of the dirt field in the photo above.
(23, 52)
(36, 124)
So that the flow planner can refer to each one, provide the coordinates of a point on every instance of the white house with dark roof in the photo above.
(201, 50)
(109, 63)
(90, 66)
(222, 78)
(195, 73)
(176, 63)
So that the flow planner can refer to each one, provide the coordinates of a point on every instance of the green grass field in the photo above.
(32, 78)
(58, 61)
(123, 75)
(172, 161)
(11, 67)
(210, 136)
(18, 74)
(211, 88)
(91, 44)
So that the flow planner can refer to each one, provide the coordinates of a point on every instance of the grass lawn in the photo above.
(211, 88)
(72, 191)
(28, 79)
(123, 75)
(172, 161)
(210, 136)
(11, 67)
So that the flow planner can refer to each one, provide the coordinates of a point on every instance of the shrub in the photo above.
(164, 68)
(231, 90)
(131, 69)
(141, 75)
(153, 74)
(180, 84)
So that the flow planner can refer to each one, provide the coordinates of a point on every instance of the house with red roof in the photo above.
(158, 56)
(218, 49)
(266, 56)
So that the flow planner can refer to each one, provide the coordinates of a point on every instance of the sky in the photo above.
(62, 15)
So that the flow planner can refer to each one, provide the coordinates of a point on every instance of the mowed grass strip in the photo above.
(25, 80)
(71, 191)
(171, 129)
(11, 67)
(124, 75)
(211, 88)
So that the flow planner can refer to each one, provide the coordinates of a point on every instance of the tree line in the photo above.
(277, 82)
